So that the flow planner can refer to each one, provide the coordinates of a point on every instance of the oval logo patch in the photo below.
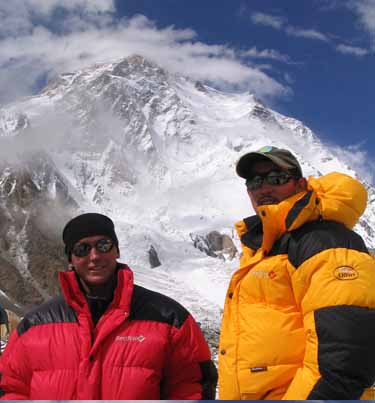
(345, 273)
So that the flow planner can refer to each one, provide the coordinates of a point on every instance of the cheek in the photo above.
(288, 191)
(252, 200)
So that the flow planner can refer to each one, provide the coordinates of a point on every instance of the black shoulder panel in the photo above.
(281, 246)
(346, 352)
(150, 305)
(317, 236)
(54, 311)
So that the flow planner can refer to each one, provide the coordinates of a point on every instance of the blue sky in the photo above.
(313, 60)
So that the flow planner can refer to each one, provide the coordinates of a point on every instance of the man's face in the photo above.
(273, 194)
(96, 268)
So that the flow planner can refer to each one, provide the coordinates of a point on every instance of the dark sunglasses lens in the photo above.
(254, 183)
(81, 249)
(273, 178)
(277, 178)
(104, 245)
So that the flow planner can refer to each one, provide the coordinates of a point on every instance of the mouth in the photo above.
(262, 201)
(96, 268)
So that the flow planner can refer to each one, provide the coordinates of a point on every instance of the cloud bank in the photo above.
(42, 38)
(364, 10)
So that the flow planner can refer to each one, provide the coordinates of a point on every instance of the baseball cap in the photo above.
(280, 157)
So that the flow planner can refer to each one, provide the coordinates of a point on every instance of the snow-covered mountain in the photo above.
(154, 151)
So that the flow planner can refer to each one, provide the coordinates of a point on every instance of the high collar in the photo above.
(76, 298)
(335, 196)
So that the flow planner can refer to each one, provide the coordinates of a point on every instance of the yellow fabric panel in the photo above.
(336, 192)
(240, 228)
(273, 322)
(368, 394)
(308, 374)
(228, 380)
(316, 285)
(246, 256)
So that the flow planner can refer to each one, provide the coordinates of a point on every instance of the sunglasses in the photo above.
(83, 249)
(274, 178)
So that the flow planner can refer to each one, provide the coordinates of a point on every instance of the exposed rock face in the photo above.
(259, 111)
(34, 202)
(215, 244)
(153, 257)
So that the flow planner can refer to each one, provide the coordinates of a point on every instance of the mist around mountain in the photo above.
(156, 152)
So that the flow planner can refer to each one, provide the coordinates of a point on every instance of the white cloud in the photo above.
(273, 21)
(306, 33)
(366, 12)
(358, 159)
(280, 23)
(95, 36)
(47, 7)
(266, 54)
(352, 50)
(19, 16)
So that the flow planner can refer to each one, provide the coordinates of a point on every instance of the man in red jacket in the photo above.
(105, 337)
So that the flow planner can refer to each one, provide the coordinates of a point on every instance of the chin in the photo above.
(268, 203)
(96, 281)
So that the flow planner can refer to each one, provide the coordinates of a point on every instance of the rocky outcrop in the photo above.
(215, 244)
(34, 205)
(153, 257)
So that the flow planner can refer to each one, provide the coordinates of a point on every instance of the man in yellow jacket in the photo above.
(299, 317)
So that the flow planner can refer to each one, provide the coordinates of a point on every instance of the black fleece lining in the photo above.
(254, 235)
(317, 236)
(297, 208)
(346, 352)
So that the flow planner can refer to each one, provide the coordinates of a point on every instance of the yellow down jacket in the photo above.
(299, 316)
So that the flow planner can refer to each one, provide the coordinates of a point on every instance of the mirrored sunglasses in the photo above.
(274, 178)
(83, 249)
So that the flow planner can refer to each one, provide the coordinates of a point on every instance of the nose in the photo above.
(94, 254)
(265, 187)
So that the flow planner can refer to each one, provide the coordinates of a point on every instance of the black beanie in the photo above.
(85, 225)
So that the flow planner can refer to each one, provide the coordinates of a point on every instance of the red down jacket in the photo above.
(145, 346)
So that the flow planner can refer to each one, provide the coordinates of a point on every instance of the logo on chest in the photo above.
(263, 274)
(131, 339)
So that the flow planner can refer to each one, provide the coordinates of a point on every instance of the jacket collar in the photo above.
(335, 196)
(75, 297)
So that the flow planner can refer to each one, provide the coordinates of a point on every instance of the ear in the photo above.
(301, 185)
(70, 267)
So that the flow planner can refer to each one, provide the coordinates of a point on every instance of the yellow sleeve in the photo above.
(335, 290)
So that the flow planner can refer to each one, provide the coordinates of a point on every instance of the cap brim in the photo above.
(246, 162)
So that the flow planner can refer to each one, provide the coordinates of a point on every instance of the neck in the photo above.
(102, 291)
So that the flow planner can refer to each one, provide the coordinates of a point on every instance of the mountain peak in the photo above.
(153, 150)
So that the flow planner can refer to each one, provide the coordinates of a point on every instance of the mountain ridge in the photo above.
(155, 151)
